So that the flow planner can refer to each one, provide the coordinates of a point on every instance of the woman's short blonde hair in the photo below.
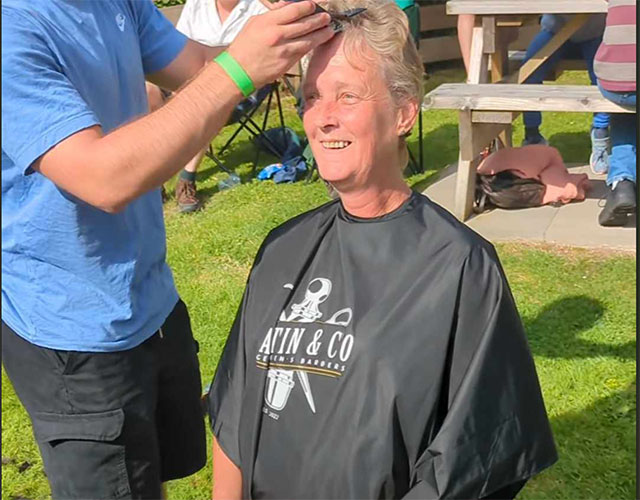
(384, 29)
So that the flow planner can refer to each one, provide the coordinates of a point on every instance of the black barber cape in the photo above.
(379, 358)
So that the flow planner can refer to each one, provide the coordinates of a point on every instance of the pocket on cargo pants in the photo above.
(82, 455)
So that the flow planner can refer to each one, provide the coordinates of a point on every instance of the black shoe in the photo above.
(621, 204)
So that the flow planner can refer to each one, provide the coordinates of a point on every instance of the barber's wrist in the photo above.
(235, 72)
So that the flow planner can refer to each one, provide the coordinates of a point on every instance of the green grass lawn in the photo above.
(578, 307)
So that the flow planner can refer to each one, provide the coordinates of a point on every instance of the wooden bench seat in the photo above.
(487, 110)
(506, 7)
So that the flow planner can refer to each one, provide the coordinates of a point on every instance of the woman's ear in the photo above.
(407, 116)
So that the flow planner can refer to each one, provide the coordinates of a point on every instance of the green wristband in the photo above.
(236, 73)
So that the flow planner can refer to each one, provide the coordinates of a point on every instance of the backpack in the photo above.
(506, 190)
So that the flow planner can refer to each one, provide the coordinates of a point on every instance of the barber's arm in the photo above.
(189, 62)
(109, 171)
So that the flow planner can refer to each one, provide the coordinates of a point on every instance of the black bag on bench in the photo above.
(506, 190)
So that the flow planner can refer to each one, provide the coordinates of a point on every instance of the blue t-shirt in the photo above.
(75, 277)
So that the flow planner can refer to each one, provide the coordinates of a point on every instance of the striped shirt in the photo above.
(615, 61)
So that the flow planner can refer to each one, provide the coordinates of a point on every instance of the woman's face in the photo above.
(351, 120)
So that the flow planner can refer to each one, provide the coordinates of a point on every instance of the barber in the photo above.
(95, 339)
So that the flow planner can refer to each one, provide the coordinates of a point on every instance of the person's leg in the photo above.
(186, 194)
(600, 140)
(92, 416)
(180, 413)
(533, 119)
(623, 138)
(623, 148)
(588, 51)
(621, 179)
(113, 424)
(599, 159)
(465, 35)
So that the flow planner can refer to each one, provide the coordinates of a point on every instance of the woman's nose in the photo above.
(327, 114)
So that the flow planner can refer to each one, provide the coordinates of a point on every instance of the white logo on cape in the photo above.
(120, 21)
(280, 382)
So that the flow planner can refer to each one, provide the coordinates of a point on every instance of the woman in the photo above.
(377, 352)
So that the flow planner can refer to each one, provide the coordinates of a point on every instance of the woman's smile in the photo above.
(335, 145)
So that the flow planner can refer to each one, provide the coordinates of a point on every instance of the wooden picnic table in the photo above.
(488, 63)
(493, 16)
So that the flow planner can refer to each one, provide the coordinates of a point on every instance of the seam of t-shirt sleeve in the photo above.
(162, 60)
(40, 145)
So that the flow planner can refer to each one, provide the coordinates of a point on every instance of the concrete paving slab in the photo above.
(525, 224)
(575, 224)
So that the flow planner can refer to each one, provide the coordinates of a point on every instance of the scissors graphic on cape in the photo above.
(302, 375)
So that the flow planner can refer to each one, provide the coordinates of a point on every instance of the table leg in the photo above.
(473, 137)
(478, 73)
(499, 63)
(527, 69)
(465, 187)
(466, 176)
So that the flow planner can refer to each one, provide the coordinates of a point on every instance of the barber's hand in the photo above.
(270, 43)
(274, 5)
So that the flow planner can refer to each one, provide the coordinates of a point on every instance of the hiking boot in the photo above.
(620, 205)
(186, 196)
(599, 159)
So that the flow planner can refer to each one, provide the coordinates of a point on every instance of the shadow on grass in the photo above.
(440, 146)
(596, 448)
(554, 333)
(242, 151)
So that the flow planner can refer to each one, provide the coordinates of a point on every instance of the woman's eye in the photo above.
(347, 97)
